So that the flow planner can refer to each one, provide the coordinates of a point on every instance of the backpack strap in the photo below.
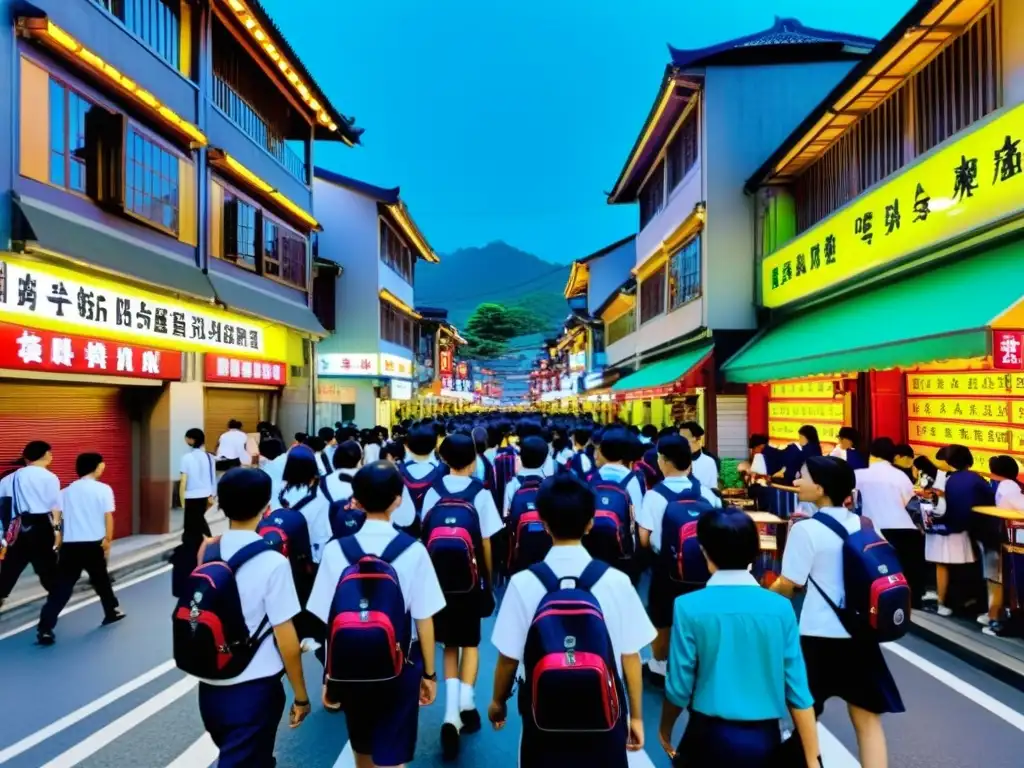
(351, 549)
(546, 576)
(209, 551)
(303, 501)
(592, 574)
(396, 547)
(833, 525)
(326, 463)
(324, 491)
(245, 554)
(666, 493)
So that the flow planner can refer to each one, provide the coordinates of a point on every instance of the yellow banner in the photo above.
(789, 430)
(981, 457)
(965, 185)
(961, 409)
(810, 411)
(818, 389)
(988, 437)
(968, 383)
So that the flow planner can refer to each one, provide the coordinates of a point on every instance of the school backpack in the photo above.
(877, 592)
(287, 532)
(680, 554)
(530, 541)
(504, 471)
(344, 518)
(575, 464)
(572, 679)
(369, 631)
(451, 532)
(611, 537)
(211, 638)
(418, 486)
(646, 468)
(10, 519)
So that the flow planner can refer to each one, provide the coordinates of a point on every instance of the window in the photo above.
(396, 327)
(395, 253)
(68, 110)
(682, 152)
(652, 196)
(151, 181)
(156, 22)
(239, 231)
(284, 254)
(684, 274)
(621, 326)
(652, 295)
(255, 241)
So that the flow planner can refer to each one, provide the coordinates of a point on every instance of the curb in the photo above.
(982, 654)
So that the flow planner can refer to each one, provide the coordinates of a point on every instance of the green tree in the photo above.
(492, 322)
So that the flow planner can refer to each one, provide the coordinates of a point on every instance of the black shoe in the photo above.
(449, 741)
(46, 638)
(470, 721)
(113, 618)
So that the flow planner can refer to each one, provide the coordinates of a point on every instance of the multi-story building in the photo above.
(719, 113)
(158, 215)
(366, 368)
(888, 262)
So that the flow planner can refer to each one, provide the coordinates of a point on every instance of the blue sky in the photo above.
(507, 120)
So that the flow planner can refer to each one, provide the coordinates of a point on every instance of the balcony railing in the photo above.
(255, 127)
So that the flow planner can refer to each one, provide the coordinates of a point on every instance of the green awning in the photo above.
(943, 314)
(663, 372)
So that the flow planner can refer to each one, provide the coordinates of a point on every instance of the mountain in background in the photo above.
(496, 273)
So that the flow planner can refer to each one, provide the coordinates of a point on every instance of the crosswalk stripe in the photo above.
(83, 712)
(95, 742)
(833, 753)
(200, 755)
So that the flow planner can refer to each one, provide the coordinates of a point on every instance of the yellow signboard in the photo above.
(817, 389)
(961, 409)
(990, 437)
(966, 383)
(971, 182)
(789, 430)
(822, 410)
(981, 457)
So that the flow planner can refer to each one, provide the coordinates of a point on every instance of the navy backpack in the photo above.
(344, 518)
(451, 532)
(680, 553)
(611, 537)
(529, 539)
(211, 638)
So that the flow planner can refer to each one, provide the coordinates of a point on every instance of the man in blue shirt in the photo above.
(735, 660)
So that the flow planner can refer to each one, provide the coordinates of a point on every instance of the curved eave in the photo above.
(579, 276)
(399, 213)
(397, 303)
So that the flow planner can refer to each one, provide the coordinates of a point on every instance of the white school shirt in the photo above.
(563, 456)
(416, 575)
(275, 470)
(628, 626)
(405, 515)
(316, 512)
(266, 590)
(513, 486)
(233, 444)
(371, 453)
(548, 468)
(884, 492)
(813, 551)
(321, 467)
(705, 470)
(339, 489)
(84, 505)
(490, 520)
(617, 473)
(199, 469)
(1009, 495)
(652, 511)
(38, 490)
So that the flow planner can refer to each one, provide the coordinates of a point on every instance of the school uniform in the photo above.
(233, 450)
(339, 485)
(949, 541)
(405, 515)
(275, 470)
(663, 591)
(458, 624)
(35, 493)
(371, 453)
(616, 473)
(629, 629)
(1008, 496)
(316, 511)
(549, 467)
(323, 463)
(852, 669)
(563, 456)
(382, 719)
(84, 507)
(199, 469)
(705, 469)
(513, 487)
(586, 464)
(735, 663)
(242, 714)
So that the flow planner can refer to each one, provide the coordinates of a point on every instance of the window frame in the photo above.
(397, 328)
(609, 336)
(406, 258)
(67, 89)
(232, 198)
(108, 7)
(660, 274)
(658, 174)
(691, 252)
(131, 126)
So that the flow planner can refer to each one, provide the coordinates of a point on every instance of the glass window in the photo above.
(68, 111)
(652, 196)
(271, 253)
(151, 181)
(682, 152)
(257, 242)
(395, 253)
(652, 295)
(240, 231)
(396, 327)
(684, 274)
(621, 326)
(156, 22)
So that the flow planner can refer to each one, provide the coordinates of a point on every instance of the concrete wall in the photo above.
(671, 325)
(607, 273)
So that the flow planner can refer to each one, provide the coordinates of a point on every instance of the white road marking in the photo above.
(93, 743)
(83, 712)
(833, 753)
(965, 689)
(89, 601)
(200, 755)
(346, 759)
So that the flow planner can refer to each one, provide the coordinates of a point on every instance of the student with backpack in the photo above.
(705, 466)
(419, 473)
(619, 494)
(527, 539)
(836, 557)
(667, 525)
(301, 493)
(337, 486)
(330, 439)
(572, 717)
(506, 462)
(579, 463)
(222, 627)
(381, 672)
(459, 519)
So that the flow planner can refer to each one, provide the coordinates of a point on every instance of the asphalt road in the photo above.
(111, 698)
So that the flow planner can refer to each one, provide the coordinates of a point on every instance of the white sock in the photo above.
(658, 667)
(467, 697)
(452, 687)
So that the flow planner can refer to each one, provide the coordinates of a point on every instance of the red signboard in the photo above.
(1008, 350)
(445, 361)
(31, 349)
(242, 370)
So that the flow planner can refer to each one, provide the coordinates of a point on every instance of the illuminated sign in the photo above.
(789, 431)
(239, 370)
(1008, 350)
(968, 184)
(808, 411)
(817, 389)
(971, 383)
(990, 436)
(961, 409)
(401, 390)
(394, 365)
(333, 392)
(346, 364)
(981, 457)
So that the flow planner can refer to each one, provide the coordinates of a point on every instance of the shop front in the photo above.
(668, 391)
(243, 389)
(369, 388)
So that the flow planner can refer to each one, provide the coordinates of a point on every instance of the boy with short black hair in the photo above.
(419, 471)
(566, 505)
(580, 462)
(613, 456)
(330, 444)
(337, 486)
(457, 626)
(533, 452)
(705, 466)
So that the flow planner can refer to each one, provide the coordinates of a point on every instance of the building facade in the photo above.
(157, 221)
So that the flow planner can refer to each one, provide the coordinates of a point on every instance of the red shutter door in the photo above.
(73, 419)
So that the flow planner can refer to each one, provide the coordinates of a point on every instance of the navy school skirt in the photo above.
(242, 719)
(710, 742)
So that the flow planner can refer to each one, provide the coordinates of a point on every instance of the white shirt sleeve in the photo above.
(636, 494)
(635, 628)
(183, 469)
(405, 514)
(322, 595)
(429, 500)
(708, 495)
(53, 491)
(646, 512)
(490, 520)
(798, 556)
(108, 499)
(512, 624)
(758, 466)
(282, 601)
(510, 492)
(426, 598)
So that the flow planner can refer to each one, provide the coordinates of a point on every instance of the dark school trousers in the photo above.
(196, 526)
(74, 557)
(711, 742)
(34, 545)
(242, 720)
(909, 546)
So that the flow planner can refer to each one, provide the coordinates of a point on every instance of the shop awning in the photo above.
(237, 295)
(660, 377)
(943, 314)
(40, 225)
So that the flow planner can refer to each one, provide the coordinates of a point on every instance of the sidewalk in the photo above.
(1001, 657)
(127, 555)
